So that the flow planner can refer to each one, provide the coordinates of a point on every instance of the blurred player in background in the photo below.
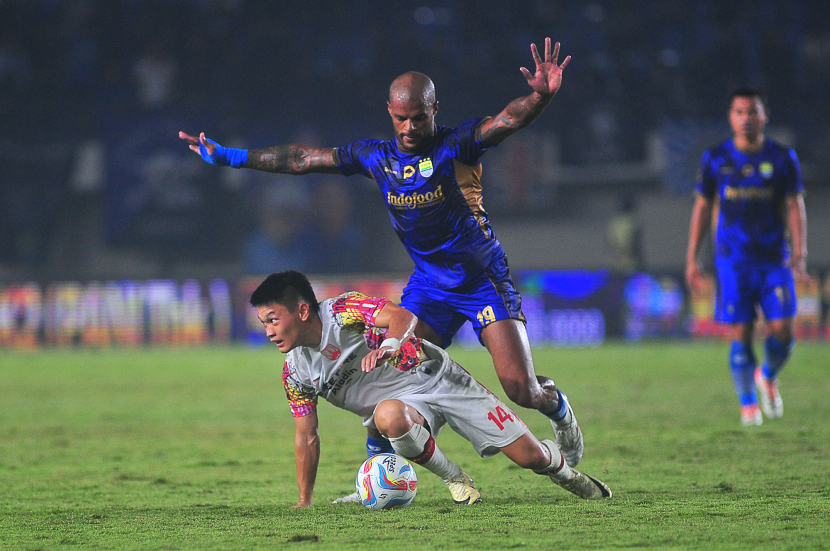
(430, 176)
(749, 189)
(359, 353)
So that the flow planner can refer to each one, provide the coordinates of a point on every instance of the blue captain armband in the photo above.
(224, 156)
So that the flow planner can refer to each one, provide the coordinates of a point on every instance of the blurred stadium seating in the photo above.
(95, 185)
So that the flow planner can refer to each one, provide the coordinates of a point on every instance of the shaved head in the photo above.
(412, 87)
(412, 107)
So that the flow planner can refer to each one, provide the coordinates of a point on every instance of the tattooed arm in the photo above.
(520, 112)
(293, 159)
(287, 159)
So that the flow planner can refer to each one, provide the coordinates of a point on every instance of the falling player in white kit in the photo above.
(359, 353)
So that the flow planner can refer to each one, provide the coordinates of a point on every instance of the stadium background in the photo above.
(113, 233)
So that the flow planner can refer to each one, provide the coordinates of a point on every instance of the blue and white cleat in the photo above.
(569, 438)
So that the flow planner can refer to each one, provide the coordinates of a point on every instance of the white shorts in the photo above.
(468, 407)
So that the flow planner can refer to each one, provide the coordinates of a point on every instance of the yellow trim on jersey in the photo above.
(469, 181)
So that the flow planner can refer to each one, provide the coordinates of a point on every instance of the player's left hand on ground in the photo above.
(548, 76)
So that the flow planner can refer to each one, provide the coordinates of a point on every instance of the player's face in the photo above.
(283, 327)
(414, 123)
(747, 117)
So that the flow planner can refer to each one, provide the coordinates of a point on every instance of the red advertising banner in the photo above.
(116, 313)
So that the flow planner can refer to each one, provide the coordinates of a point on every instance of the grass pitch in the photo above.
(193, 449)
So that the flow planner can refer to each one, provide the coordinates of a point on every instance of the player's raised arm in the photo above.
(287, 159)
(306, 455)
(519, 113)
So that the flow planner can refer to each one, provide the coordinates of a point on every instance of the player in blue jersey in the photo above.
(430, 176)
(749, 189)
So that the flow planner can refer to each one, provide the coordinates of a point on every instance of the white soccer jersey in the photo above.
(420, 375)
(333, 370)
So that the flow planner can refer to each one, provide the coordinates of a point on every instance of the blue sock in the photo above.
(560, 412)
(742, 363)
(777, 354)
(375, 446)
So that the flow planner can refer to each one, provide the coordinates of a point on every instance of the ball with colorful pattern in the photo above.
(386, 481)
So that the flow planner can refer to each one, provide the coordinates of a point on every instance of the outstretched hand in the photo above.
(548, 76)
(194, 143)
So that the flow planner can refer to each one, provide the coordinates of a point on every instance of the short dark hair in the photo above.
(747, 92)
(287, 288)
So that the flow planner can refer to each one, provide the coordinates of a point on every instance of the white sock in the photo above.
(419, 446)
(558, 466)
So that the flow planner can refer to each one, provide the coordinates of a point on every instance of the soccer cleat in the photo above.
(583, 485)
(751, 415)
(771, 403)
(569, 439)
(463, 490)
(580, 484)
(351, 498)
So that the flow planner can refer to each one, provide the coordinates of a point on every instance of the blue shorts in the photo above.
(740, 290)
(491, 297)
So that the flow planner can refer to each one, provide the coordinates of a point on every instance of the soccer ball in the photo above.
(386, 481)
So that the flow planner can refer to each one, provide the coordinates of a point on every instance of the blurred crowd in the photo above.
(268, 66)
(271, 71)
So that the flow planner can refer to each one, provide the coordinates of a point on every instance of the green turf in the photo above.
(193, 449)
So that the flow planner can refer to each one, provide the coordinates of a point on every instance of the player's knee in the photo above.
(743, 332)
(391, 419)
(528, 453)
(783, 332)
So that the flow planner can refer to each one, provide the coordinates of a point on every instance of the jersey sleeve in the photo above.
(302, 399)
(705, 184)
(356, 158)
(356, 311)
(794, 184)
(464, 145)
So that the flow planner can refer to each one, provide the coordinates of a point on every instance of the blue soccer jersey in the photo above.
(748, 192)
(434, 200)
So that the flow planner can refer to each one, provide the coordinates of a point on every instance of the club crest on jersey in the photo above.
(765, 169)
(425, 167)
(331, 352)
